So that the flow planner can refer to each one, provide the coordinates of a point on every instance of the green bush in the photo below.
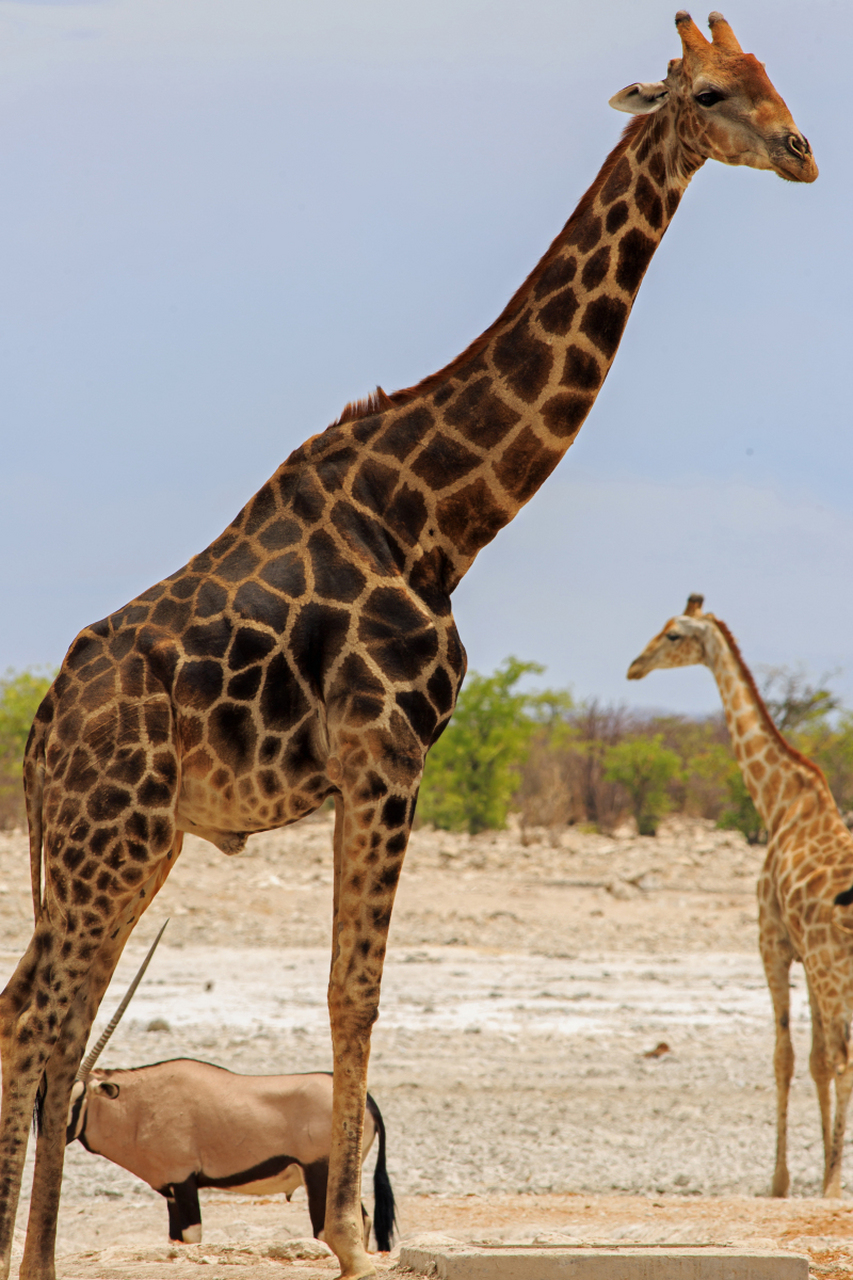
(472, 771)
(644, 767)
(740, 814)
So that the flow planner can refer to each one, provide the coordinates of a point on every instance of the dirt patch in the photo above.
(267, 1248)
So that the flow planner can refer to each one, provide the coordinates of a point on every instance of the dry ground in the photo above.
(527, 977)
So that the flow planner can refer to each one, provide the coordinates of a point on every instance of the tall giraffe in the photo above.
(311, 650)
(804, 884)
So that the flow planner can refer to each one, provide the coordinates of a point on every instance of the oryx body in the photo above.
(183, 1124)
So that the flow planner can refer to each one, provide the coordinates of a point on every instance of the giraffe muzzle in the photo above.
(795, 147)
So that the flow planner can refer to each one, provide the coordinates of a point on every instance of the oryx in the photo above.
(184, 1124)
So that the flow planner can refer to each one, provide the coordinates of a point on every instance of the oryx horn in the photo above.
(92, 1056)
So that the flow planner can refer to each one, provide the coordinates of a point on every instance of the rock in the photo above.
(290, 1250)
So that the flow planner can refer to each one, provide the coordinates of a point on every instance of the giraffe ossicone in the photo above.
(310, 651)
(805, 884)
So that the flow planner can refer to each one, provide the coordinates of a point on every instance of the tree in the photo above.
(795, 703)
(644, 767)
(20, 695)
(472, 770)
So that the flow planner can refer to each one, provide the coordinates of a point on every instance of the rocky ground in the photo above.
(529, 977)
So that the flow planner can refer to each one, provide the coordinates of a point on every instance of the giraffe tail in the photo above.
(34, 791)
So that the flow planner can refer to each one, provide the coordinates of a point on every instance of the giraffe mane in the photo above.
(380, 400)
(366, 406)
(768, 719)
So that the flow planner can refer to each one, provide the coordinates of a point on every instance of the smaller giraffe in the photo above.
(805, 883)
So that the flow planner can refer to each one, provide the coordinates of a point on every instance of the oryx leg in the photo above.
(373, 819)
(316, 1178)
(184, 1211)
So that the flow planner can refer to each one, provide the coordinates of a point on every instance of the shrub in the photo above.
(740, 814)
(20, 695)
(472, 770)
(644, 767)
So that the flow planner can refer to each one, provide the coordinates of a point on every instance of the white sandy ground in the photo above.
(527, 975)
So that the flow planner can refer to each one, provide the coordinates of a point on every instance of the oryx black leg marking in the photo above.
(316, 1179)
(184, 1210)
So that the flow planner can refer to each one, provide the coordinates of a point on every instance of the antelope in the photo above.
(184, 1124)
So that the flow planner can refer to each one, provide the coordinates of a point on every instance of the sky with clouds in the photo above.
(222, 219)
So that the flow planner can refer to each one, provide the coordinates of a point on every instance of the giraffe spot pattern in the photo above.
(556, 275)
(403, 435)
(525, 465)
(586, 233)
(596, 268)
(442, 461)
(581, 370)
(619, 182)
(617, 216)
(470, 517)
(557, 315)
(564, 414)
(649, 202)
(635, 254)
(480, 415)
(603, 322)
(524, 360)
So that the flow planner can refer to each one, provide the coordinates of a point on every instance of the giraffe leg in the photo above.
(821, 1070)
(370, 841)
(777, 956)
(843, 1087)
(46, 1013)
(57, 1081)
(101, 813)
(59, 1075)
(26, 1040)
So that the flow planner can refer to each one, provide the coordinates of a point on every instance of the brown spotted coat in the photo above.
(804, 890)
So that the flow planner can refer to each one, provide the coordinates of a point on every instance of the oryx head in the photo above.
(82, 1093)
(85, 1085)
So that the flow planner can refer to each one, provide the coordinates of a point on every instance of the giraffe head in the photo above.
(681, 643)
(723, 105)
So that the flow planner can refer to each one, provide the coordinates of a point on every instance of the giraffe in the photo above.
(310, 651)
(804, 884)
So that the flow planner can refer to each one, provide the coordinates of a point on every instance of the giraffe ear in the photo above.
(640, 99)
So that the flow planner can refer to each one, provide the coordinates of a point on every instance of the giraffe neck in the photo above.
(778, 776)
(475, 441)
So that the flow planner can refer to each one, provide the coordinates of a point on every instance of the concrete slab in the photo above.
(535, 1262)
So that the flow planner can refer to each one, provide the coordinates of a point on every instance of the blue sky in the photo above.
(222, 219)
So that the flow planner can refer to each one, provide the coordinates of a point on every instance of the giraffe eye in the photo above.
(708, 97)
(673, 635)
